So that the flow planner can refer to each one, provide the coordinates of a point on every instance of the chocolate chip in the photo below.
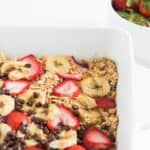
(37, 137)
(45, 105)
(2, 119)
(4, 91)
(112, 137)
(39, 121)
(18, 104)
(27, 65)
(35, 95)
(82, 131)
(30, 103)
(23, 128)
(12, 142)
(27, 135)
(75, 107)
(43, 142)
(4, 77)
(51, 137)
(62, 127)
(104, 127)
(46, 130)
(38, 104)
(76, 112)
(10, 136)
(21, 101)
(18, 108)
(30, 112)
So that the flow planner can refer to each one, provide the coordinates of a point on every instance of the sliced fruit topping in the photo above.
(105, 103)
(76, 147)
(95, 86)
(65, 116)
(86, 101)
(145, 8)
(4, 129)
(120, 4)
(58, 64)
(68, 88)
(35, 67)
(77, 76)
(16, 87)
(15, 118)
(33, 148)
(96, 139)
(82, 67)
(7, 104)
(68, 118)
(67, 139)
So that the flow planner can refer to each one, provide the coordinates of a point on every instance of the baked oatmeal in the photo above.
(57, 102)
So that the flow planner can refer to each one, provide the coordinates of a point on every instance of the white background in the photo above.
(85, 13)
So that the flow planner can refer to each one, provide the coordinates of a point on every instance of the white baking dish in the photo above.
(82, 43)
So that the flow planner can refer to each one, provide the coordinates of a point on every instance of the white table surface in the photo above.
(81, 13)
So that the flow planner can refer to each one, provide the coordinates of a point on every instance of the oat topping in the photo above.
(57, 102)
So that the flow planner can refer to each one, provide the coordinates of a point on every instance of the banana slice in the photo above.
(4, 129)
(48, 114)
(91, 116)
(86, 101)
(16, 75)
(53, 112)
(7, 104)
(10, 65)
(28, 142)
(58, 64)
(67, 139)
(35, 95)
(41, 113)
(33, 129)
(95, 86)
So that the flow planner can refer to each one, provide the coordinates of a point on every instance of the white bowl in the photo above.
(82, 43)
(140, 35)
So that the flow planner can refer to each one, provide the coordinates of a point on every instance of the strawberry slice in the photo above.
(36, 68)
(120, 4)
(96, 139)
(53, 124)
(15, 118)
(64, 116)
(68, 88)
(105, 103)
(33, 148)
(16, 87)
(77, 76)
(68, 118)
(82, 67)
(76, 147)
